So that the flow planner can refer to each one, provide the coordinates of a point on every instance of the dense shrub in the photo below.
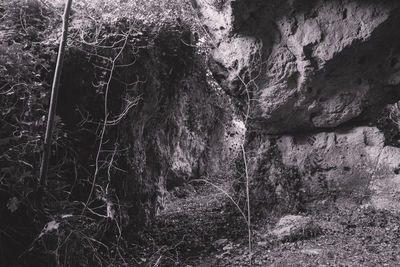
(48, 232)
(25, 62)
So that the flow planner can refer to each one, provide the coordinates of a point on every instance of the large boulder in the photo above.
(311, 64)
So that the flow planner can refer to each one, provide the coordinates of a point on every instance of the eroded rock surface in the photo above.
(316, 71)
(182, 128)
(350, 164)
(316, 64)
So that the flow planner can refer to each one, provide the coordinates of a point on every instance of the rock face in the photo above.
(348, 164)
(316, 64)
(318, 73)
(166, 139)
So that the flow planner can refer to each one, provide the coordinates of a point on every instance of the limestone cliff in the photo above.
(317, 64)
(318, 73)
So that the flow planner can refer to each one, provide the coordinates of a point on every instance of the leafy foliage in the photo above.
(152, 13)
(25, 60)
(104, 35)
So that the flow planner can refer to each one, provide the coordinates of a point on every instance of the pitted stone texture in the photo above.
(350, 164)
(386, 180)
(316, 64)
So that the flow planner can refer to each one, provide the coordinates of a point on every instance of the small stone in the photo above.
(220, 242)
(292, 227)
(227, 247)
(312, 251)
(262, 243)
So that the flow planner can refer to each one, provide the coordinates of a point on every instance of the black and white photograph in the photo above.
(199, 133)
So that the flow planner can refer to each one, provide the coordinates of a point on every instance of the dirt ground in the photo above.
(199, 231)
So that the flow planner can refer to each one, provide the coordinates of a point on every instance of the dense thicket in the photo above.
(127, 75)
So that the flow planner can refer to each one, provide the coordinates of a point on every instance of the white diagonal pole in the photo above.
(54, 95)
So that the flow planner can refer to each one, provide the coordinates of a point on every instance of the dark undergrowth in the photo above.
(87, 209)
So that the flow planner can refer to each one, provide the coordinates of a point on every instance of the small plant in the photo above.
(388, 121)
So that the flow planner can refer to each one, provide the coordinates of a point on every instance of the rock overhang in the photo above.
(314, 64)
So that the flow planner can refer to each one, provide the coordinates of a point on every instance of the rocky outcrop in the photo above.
(351, 164)
(316, 64)
(178, 130)
(318, 72)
